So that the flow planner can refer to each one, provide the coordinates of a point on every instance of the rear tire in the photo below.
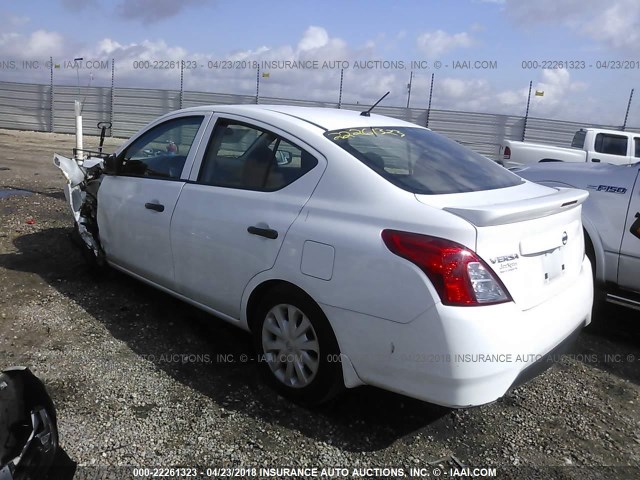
(297, 350)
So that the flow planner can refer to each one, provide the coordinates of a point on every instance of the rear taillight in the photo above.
(507, 153)
(459, 276)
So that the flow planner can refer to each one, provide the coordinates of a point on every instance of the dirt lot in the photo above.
(140, 378)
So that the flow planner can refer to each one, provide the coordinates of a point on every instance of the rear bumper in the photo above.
(546, 361)
(460, 357)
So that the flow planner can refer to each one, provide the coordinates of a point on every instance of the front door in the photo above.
(135, 206)
(629, 265)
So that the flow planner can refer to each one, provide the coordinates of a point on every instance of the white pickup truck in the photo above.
(588, 145)
(611, 221)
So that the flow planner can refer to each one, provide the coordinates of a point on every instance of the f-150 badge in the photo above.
(608, 189)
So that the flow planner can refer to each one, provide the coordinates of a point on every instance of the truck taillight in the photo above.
(459, 276)
(507, 153)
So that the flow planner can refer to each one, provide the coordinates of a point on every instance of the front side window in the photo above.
(611, 144)
(421, 161)
(248, 157)
(162, 151)
(637, 147)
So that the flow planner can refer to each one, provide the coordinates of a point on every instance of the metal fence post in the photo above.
(257, 85)
(113, 71)
(526, 114)
(626, 115)
(51, 94)
(181, 82)
(430, 96)
(340, 94)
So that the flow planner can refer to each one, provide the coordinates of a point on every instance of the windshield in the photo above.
(421, 161)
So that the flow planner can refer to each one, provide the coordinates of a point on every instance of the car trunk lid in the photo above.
(533, 241)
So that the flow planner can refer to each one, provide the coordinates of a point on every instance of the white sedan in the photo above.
(357, 249)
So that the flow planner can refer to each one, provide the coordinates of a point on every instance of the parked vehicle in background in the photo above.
(589, 145)
(611, 219)
(374, 251)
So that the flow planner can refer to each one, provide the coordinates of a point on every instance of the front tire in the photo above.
(297, 349)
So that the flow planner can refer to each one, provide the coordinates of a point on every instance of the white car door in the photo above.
(247, 189)
(135, 206)
(629, 265)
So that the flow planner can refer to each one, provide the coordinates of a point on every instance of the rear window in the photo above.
(578, 139)
(421, 161)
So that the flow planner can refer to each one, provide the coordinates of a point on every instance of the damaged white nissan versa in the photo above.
(356, 248)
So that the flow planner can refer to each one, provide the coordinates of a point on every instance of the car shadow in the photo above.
(214, 357)
(612, 342)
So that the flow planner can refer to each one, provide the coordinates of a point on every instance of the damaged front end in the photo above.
(81, 191)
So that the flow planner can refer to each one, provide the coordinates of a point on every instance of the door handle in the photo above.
(263, 232)
(154, 206)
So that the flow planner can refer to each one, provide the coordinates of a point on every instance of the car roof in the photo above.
(324, 118)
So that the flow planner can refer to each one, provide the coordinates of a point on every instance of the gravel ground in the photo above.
(140, 378)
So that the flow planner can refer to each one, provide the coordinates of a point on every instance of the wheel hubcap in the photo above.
(290, 345)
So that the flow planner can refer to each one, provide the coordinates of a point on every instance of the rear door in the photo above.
(135, 206)
(611, 148)
(246, 190)
(629, 264)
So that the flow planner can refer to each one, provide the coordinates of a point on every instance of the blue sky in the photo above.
(507, 32)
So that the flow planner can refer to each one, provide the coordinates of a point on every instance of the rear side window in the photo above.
(421, 161)
(578, 139)
(248, 157)
(611, 144)
(637, 147)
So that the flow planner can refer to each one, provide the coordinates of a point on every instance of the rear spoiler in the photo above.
(521, 210)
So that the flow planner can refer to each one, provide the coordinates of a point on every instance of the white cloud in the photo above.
(313, 38)
(616, 23)
(14, 21)
(37, 45)
(436, 43)
(360, 85)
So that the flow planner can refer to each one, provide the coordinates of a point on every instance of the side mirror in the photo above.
(111, 165)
